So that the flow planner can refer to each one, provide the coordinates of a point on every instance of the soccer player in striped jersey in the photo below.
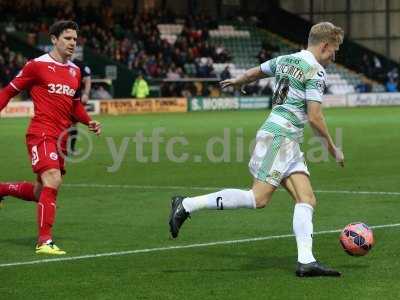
(277, 158)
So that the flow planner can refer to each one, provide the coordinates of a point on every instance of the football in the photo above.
(357, 239)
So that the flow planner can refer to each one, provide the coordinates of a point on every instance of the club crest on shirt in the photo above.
(72, 72)
(53, 156)
(276, 175)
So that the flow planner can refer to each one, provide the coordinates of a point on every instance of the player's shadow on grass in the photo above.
(285, 263)
(352, 267)
(244, 263)
(26, 241)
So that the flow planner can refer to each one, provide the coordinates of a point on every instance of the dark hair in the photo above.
(58, 27)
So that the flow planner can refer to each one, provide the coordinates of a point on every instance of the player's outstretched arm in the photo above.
(6, 94)
(317, 122)
(250, 75)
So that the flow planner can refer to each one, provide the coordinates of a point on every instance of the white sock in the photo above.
(225, 199)
(303, 230)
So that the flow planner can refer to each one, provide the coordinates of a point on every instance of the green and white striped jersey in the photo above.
(299, 78)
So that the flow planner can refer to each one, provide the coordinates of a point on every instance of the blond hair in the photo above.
(325, 32)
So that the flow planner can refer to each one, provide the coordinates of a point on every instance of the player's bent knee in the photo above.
(261, 204)
(52, 178)
(309, 200)
(262, 201)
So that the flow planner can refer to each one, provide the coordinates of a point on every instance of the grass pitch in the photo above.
(111, 206)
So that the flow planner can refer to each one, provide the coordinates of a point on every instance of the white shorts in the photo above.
(275, 158)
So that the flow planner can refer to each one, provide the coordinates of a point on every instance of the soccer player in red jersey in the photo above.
(52, 80)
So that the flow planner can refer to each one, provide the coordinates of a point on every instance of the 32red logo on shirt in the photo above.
(61, 89)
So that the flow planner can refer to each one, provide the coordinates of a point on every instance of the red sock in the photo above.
(21, 190)
(46, 211)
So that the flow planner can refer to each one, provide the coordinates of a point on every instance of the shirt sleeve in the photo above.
(315, 87)
(269, 67)
(25, 78)
(6, 94)
(79, 113)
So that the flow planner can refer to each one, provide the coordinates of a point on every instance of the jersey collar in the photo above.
(56, 62)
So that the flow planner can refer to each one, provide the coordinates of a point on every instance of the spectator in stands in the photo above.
(366, 66)
(391, 86)
(393, 75)
(99, 92)
(364, 86)
(199, 86)
(10, 62)
(225, 74)
(174, 73)
(251, 88)
(140, 88)
(392, 80)
(221, 54)
(178, 57)
(189, 90)
(267, 51)
(377, 64)
(152, 68)
(131, 39)
(214, 90)
(152, 44)
(268, 88)
(263, 56)
(204, 67)
(166, 52)
(206, 50)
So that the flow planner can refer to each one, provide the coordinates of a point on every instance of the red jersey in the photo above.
(52, 86)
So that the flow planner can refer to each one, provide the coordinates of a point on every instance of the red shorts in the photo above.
(46, 153)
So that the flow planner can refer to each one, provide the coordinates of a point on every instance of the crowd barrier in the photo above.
(228, 103)
(181, 105)
(148, 105)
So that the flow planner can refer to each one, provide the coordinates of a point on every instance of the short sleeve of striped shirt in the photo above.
(269, 67)
(315, 87)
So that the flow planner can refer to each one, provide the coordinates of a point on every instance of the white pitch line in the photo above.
(359, 192)
(159, 249)
(133, 186)
(206, 188)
